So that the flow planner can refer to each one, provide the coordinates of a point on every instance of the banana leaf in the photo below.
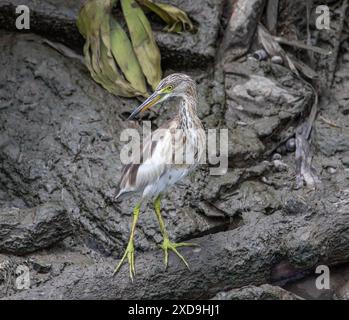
(176, 19)
(143, 41)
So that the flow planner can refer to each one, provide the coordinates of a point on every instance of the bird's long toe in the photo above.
(168, 245)
(129, 253)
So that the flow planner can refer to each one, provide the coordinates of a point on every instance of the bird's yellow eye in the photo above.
(169, 88)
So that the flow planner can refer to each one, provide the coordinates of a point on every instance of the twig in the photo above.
(330, 123)
(333, 65)
(304, 68)
(272, 15)
(309, 5)
(313, 111)
(302, 45)
(63, 50)
(304, 170)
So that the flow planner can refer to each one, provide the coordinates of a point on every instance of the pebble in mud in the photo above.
(276, 156)
(277, 60)
(291, 145)
(279, 165)
(331, 170)
(260, 55)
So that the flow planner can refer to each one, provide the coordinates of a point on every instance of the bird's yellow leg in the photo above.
(167, 244)
(129, 252)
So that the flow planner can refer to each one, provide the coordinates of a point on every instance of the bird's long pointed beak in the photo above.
(152, 100)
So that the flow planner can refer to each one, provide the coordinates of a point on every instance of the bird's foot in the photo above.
(168, 245)
(129, 253)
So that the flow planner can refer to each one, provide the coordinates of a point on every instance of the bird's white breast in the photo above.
(169, 178)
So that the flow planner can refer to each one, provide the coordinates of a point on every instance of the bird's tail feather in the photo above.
(121, 194)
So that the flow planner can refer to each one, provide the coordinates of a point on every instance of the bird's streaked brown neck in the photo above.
(188, 109)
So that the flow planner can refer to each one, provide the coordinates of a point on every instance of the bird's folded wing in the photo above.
(156, 157)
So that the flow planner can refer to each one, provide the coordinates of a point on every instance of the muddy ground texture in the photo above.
(261, 233)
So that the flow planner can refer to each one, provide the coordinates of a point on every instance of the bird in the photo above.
(170, 153)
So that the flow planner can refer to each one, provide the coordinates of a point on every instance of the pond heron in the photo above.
(168, 155)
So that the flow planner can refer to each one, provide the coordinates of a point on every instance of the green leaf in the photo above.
(176, 19)
(143, 41)
(126, 58)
